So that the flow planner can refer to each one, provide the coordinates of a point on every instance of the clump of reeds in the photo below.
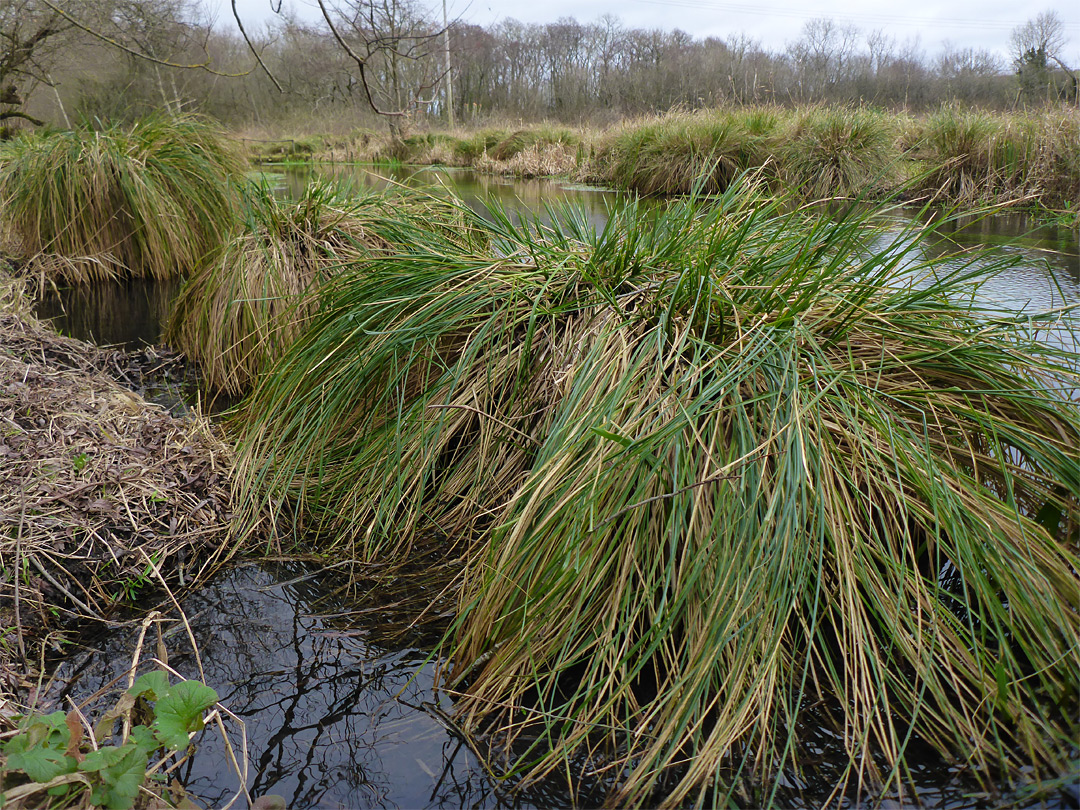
(838, 152)
(720, 468)
(149, 200)
(244, 305)
(971, 156)
(674, 152)
(469, 148)
(535, 160)
(1048, 167)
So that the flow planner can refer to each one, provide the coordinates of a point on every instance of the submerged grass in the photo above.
(246, 303)
(150, 200)
(714, 468)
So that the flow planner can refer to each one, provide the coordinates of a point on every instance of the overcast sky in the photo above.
(964, 23)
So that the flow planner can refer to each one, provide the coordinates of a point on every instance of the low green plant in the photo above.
(956, 147)
(52, 762)
(720, 472)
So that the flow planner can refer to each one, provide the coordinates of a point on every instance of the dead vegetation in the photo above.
(104, 494)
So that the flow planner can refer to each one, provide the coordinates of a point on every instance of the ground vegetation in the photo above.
(721, 473)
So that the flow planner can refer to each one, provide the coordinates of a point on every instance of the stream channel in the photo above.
(339, 709)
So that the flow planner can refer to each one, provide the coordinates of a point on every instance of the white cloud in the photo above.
(964, 23)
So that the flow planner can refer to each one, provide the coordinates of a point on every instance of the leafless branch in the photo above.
(251, 45)
(361, 64)
(134, 51)
(37, 122)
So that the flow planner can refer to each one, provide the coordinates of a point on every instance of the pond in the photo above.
(130, 314)
(335, 687)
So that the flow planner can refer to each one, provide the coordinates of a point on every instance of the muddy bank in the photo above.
(103, 496)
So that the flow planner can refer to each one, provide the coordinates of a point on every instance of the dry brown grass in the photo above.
(96, 481)
(536, 160)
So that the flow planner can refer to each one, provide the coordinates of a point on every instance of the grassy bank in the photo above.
(720, 474)
(953, 155)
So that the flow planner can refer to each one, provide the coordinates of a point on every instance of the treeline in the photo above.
(172, 55)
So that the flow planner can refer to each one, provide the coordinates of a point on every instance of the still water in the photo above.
(130, 314)
(335, 690)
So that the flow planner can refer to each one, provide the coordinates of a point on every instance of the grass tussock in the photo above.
(248, 301)
(536, 160)
(720, 469)
(827, 152)
(523, 139)
(525, 152)
(673, 153)
(970, 156)
(146, 201)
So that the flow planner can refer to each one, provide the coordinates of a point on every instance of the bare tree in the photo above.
(162, 33)
(822, 56)
(31, 37)
(395, 49)
(1035, 44)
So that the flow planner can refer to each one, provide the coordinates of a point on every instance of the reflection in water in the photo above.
(332, 719)
(127, 314)
(339, 716)
(1047, 269)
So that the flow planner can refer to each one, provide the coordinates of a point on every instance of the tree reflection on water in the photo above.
(332, 719)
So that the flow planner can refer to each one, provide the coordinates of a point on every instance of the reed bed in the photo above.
(470, 147)
(971, 157)
(104, 494)
(244, 305)
(958, 156)
(716, 471)
(146, 201)
(493, 150)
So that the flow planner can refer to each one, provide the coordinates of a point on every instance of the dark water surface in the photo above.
(335, 713)
(339, 708)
